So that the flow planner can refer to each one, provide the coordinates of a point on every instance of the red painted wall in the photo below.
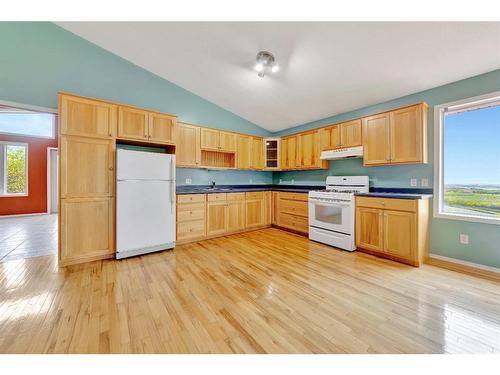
(36, 201)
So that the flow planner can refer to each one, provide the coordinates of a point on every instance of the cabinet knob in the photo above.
(382, 203)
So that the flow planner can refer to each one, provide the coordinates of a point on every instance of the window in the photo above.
(26, 123)
(13, 168)
(467, 159)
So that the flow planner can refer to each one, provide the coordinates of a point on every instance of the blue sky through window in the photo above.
(29, 124)
(472, 147)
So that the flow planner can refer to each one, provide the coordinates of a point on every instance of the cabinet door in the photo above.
(306, 150)
(87, 229)
(351, 133)
(292, 153)
(216, 217)
(255, 213)
(244, 152)
(162, 128)
(86, 117)
(210, 139)
(407, 134)
(275, 208)
(399, 233)
(257, 153)
(187, 151)
(376, 140)
(235, 215)
(133, 123)
(330, 138)
(227, 142)
(86, 167)
(284, 154)
(268, 207)
(369, 228)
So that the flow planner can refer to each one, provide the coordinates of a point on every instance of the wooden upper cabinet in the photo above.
(284, 154)
(257, 153)
(227, 141)
(376, 139)
(209, 139)
(408, 135)
(291, 158)
(87, 117)
(308, 150)
(162, 128)
(133, 123)
(369, 228)
(188, 145)
(350, 134)
(86, 167)
(244, 152)
(330, 137)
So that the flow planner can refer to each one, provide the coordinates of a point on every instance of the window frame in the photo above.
(4, 193)
(32, 108)
(476, 102)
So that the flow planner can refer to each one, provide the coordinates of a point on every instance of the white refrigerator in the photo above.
(145, 202)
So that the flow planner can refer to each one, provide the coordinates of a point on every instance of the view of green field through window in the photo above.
(471, 162)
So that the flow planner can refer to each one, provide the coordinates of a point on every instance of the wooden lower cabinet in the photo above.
(216, 218)
(255, 205)
(235, 215)
(86, 230)
(393, 228)
(191, 217)
(290, 211)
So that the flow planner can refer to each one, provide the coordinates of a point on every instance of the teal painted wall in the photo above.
(38, 59)
(484, 239)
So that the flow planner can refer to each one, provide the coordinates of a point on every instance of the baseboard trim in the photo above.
(474, 269)
(21, 215)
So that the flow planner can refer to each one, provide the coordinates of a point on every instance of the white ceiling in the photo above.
(326, 68)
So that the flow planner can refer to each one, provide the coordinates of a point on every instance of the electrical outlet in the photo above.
(189, 181)
(251, 181)
(281, 180)
(413, 182)
(464, 239)
(425, 182)
(293, 181)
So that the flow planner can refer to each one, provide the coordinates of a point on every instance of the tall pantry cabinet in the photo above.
(87, 179)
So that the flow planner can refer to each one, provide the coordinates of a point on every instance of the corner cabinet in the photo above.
(393, 228)
(396, 137)
(250, 152)
(302, 151)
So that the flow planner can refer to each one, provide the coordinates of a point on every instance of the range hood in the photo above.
(342, 153)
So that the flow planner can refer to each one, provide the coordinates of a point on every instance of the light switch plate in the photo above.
(425, 182)
(464, 239)
(189, 181)
(413, 182)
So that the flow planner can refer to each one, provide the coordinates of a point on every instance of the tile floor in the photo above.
(27, 236)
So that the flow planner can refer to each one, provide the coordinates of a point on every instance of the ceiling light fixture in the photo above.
(265, 63)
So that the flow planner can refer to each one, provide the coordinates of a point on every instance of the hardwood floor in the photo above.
(266, 291)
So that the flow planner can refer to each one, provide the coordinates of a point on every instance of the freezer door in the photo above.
(139, 165)
(145, 215)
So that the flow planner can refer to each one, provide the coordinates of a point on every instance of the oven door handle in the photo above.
(330, 204)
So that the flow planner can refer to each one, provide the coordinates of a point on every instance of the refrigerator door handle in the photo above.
(172, 196)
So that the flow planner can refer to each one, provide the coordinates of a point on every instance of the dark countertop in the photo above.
(205, 189)
(399, 193)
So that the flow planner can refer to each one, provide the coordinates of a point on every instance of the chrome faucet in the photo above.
(213, 185)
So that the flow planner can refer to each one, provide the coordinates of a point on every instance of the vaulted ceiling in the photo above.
(326, 68)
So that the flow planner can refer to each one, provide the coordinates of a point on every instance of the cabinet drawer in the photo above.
(294, 207)
(215, 197)
(255, 195)
(190, 229)
(189, 212)
(190, 198)
(293, 196)
(388, 203)
(298, 223)
(235, 196)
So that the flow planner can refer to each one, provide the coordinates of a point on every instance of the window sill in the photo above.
(13, 195)
(472, 219)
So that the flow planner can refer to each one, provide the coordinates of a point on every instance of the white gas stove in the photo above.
(331, 211)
